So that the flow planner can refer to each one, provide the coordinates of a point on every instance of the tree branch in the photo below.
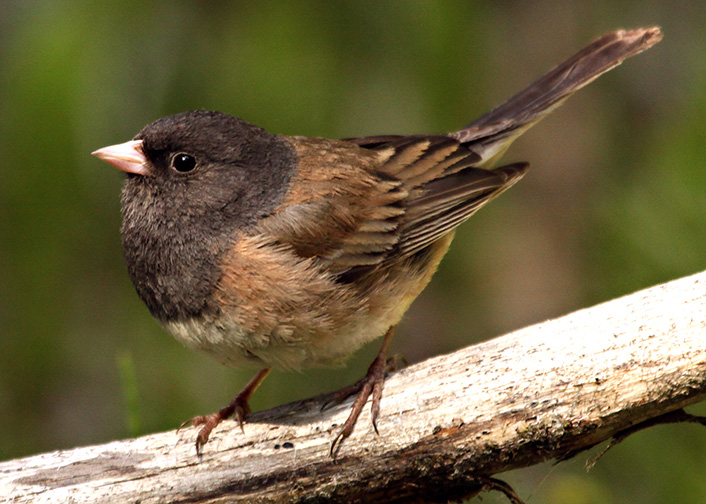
(447, 424)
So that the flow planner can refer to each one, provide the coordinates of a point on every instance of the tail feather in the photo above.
(492, 134)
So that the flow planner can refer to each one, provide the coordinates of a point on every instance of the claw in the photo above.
(370, 385)
(238, 408)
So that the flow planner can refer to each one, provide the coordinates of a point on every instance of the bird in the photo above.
(289, 252)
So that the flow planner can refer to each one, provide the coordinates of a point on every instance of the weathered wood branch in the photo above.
(446, 424)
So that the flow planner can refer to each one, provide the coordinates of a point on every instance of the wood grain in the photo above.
(542, 392)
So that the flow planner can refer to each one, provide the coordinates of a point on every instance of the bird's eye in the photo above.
(183, 163)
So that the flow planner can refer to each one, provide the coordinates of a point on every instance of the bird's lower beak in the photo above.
(127, 157)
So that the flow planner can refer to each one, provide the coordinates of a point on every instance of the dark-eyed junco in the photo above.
(289, 252)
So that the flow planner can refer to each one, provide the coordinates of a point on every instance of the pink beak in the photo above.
(127, 157)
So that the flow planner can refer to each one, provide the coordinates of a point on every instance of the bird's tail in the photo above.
(492, 134)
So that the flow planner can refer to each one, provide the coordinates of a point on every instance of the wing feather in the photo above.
(382, 199)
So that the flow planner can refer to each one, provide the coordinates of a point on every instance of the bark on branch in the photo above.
(447, 424)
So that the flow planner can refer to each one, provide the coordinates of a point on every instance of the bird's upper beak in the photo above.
(127, 157)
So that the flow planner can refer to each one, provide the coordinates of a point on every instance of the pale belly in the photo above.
(305, 319)
(282, 348)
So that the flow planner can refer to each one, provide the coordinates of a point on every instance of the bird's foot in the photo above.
(238, 408)
(370, 385)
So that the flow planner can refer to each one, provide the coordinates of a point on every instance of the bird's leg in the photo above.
(370, 385)
(238, 408)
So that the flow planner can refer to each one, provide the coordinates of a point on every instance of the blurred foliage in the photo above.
(614, 201)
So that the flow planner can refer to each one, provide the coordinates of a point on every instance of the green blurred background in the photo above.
(614, 201)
